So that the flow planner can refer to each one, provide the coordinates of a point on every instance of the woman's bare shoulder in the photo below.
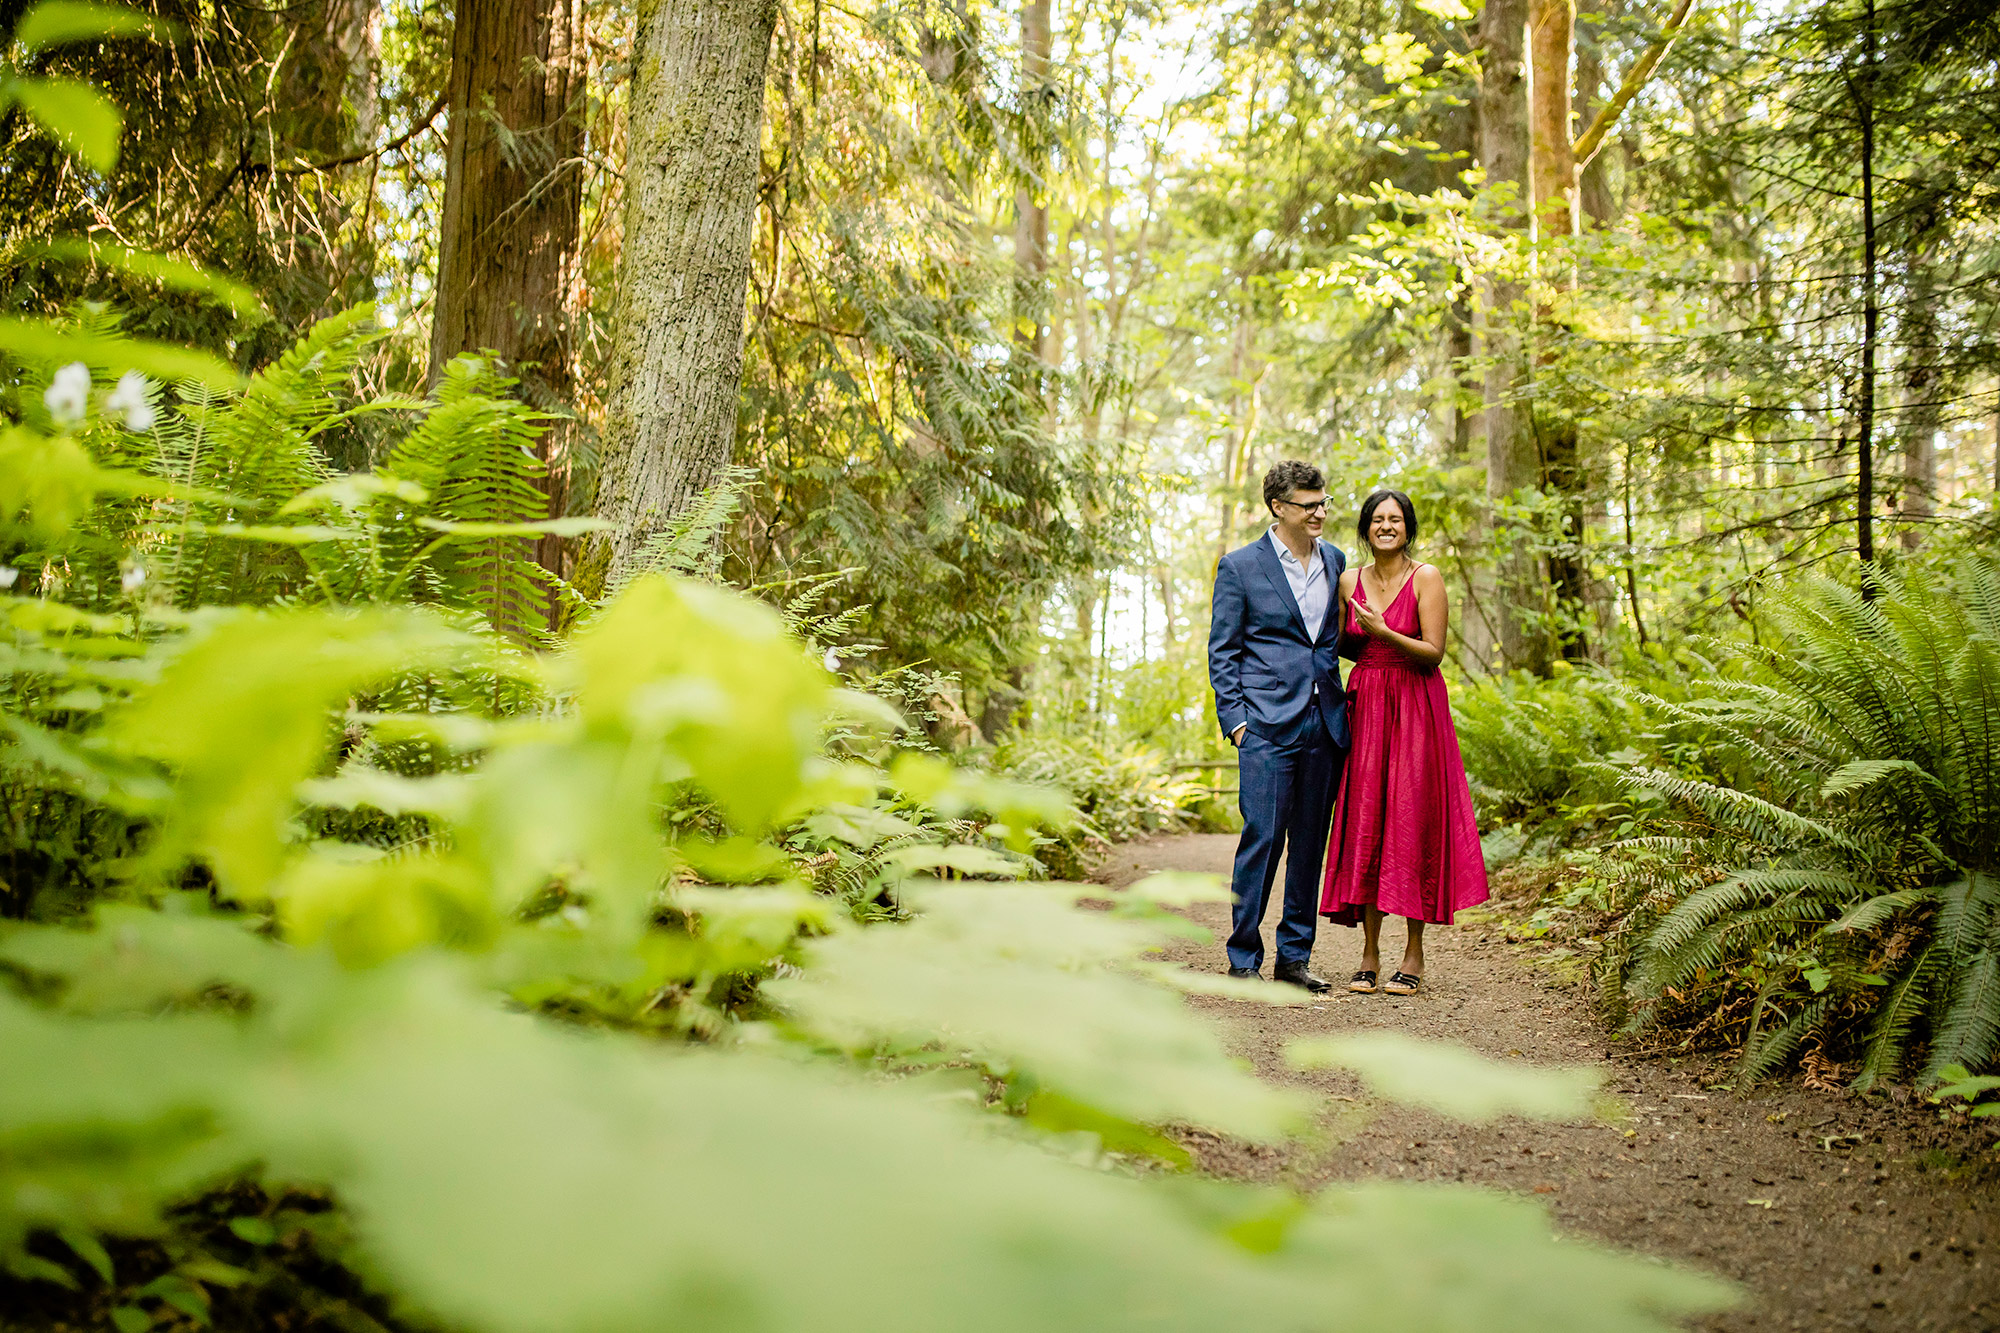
(1429, 578)
(1348, 577)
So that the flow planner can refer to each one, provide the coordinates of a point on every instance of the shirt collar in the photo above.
(1285, 552)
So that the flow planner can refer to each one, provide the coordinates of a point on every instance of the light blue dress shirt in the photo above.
(1309, 583)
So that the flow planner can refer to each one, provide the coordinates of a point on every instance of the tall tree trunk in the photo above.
(513, 188)
(1245, 401)
(1864, 454)
(1459, 137)
(508, 263)
(1923, 394)
(1593, 189)
(1510, 454)
(1031, 213)
(328, 99)
(1461, 420)
(695, 131)
(1552, 166)
(948, 51)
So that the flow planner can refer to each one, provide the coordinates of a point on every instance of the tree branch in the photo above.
(300, 168)
(1635, 79)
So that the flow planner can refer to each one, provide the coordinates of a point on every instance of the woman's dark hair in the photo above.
(1374, 502)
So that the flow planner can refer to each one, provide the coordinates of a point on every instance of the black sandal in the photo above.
(1401, 983)
(1363, 983)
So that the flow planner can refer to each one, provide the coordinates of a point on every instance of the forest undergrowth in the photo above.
(1785, 850)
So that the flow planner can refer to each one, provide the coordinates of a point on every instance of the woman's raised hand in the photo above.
(1366, 618)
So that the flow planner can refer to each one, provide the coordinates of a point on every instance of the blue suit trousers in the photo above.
(1286, 798)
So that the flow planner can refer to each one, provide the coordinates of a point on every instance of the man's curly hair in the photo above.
(1290, 475)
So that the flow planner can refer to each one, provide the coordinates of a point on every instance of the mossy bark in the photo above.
(1511, 458)
(692, 170)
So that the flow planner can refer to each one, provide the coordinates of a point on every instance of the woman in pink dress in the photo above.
(1403, 842)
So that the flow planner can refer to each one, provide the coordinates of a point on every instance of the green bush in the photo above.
(1120, 791)
(1528, 742)
(1535, 747)
(1832, 862)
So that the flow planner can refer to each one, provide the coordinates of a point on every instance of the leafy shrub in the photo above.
(1535, 747)
(1120, 792)
(1836, 877)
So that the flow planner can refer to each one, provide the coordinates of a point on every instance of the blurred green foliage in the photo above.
(376, 957)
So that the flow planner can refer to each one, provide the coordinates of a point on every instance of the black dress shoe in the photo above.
(1296, 975)
(1247, 973)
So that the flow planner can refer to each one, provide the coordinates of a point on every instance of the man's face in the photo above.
(1301, 514)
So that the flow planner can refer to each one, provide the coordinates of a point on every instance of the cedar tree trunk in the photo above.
(508, 263)
(1511, 462)
(692, 171)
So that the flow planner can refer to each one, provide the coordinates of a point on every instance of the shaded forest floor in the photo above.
(1834, 1211)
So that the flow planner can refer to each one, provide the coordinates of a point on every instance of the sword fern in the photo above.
(1848, 863)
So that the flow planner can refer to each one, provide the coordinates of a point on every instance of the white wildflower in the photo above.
(68, 395)
(831, 661)
(7, 576)
(131, 577)
(129, 398)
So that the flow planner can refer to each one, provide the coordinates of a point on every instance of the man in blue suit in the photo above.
(1273, 658)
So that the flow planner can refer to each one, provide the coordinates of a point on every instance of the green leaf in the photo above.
(302, 534)
(241, 717)
(1057, 1114)
(173, 274)
(91, 1250)
(1450, 1079)
(203, 1268)
(357, 787)
(49, 480)
(866, 711)
(179, 1293)
(714, 675)
(967, 860)
(1179, 888)
(39, 340)
(34, 1268)
(1004, 970)
(552, 527)
(253, 1230)
(1955, 1081)
(131, 1319)
(1861, 773)
(60, 22)
(75, 114)
(354, 490)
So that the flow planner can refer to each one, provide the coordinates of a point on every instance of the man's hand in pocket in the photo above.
(1236, 736)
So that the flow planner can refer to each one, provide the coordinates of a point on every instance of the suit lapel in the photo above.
(1267, 559)
(1330, 623)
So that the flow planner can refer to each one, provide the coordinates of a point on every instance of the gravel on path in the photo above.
(1834, 1211)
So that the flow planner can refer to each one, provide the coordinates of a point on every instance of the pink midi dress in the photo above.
(1403, 836)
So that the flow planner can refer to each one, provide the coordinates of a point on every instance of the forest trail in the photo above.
(1832, 1212)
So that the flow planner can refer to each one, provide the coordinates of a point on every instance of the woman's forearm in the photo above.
(1424, 651)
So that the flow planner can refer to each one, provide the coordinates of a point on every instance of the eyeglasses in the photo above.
(1316, 507)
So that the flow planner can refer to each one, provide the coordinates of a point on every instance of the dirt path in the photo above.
(1834, 1212)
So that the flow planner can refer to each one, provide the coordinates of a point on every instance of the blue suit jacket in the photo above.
(1261, 662)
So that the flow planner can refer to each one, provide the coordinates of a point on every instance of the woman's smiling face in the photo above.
(1386, 533)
